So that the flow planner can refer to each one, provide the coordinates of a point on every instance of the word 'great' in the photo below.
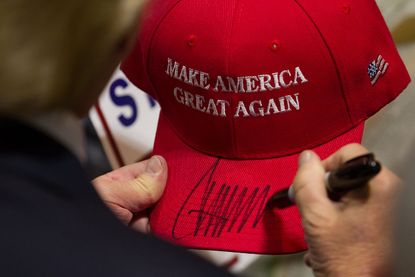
(254, 108)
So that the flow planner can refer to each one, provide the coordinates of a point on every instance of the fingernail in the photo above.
(154, 166)
(305, 157)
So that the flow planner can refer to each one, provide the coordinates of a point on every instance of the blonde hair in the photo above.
(51, 50)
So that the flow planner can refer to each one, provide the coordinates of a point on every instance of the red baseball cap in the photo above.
(244, 86)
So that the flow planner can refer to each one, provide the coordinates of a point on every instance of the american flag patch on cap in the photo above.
(376, 69)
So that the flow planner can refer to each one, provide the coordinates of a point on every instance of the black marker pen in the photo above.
(351, 175)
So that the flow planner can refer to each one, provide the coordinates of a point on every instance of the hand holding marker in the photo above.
(353, 174)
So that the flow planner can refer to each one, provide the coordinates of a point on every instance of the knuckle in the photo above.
(386, 183)
(302, 187)
(309, 177)
(143, 187)
(351, 151)
(355, 147)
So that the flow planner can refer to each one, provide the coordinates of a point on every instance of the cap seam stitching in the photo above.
(234, 141)
(227, 70)
(339, 77)
(149, 51)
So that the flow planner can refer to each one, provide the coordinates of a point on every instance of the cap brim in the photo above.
(220, 204)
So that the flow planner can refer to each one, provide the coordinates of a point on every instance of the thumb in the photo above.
(147, 188)
(309, 187)
(133, 188)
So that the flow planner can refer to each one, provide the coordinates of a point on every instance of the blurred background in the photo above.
(390, 134)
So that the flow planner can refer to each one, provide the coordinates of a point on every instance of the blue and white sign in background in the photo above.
(125, 119)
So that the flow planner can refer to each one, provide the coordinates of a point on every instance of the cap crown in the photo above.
(250, 79)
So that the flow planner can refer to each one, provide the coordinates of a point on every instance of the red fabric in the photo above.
(208, 199)
(328, 45)
(356, 33)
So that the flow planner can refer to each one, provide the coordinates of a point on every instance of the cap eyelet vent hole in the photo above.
(275, 45)
(191, 41)
(346, 8)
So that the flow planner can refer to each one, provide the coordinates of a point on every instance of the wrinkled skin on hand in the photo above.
(351, 237)
(130, 190)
